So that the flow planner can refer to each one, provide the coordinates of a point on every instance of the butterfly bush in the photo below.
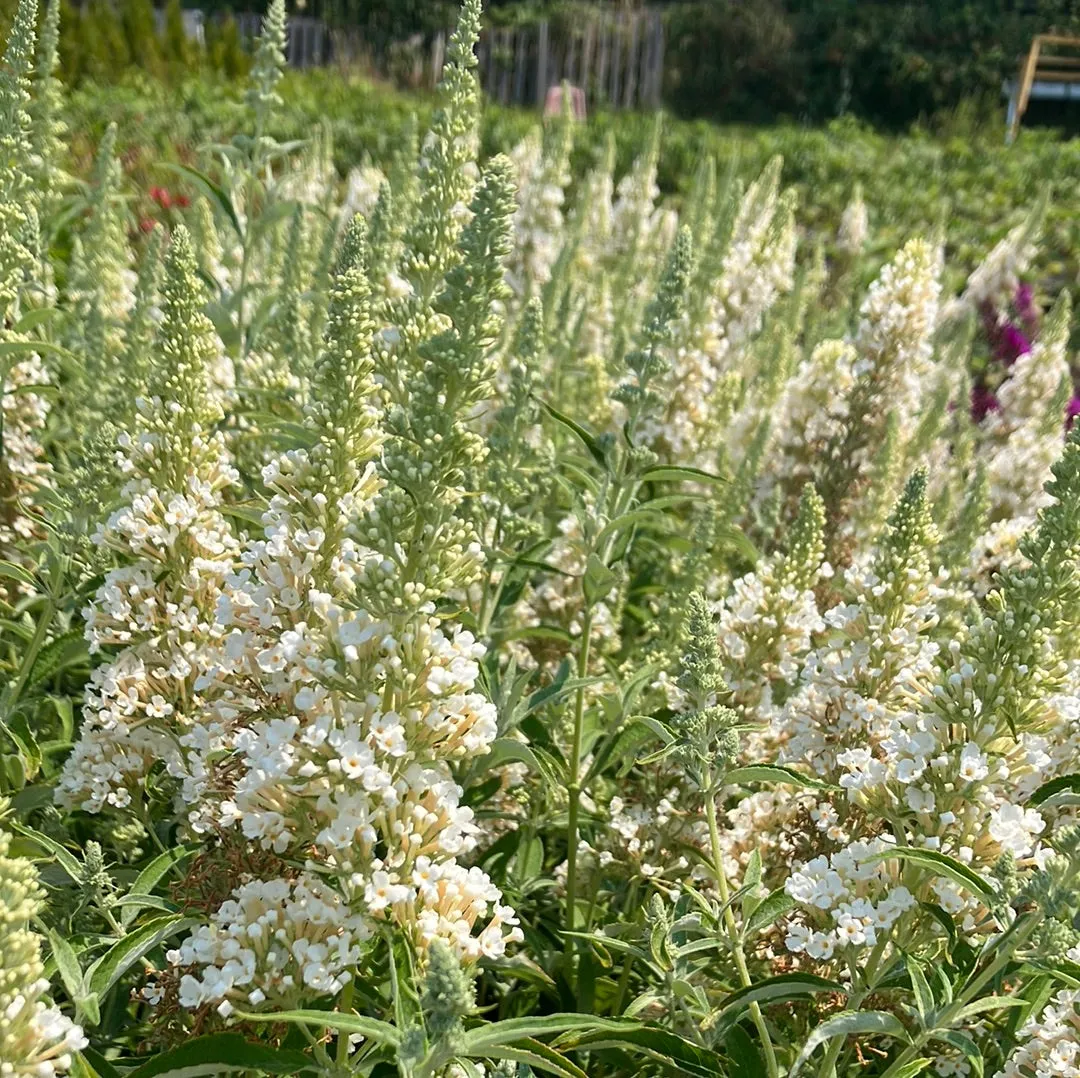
(24, 401)
(36, 1038)
(478, 615)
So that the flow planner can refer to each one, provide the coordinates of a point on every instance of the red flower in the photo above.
(161, 197)
(182, 201)
(147, 224)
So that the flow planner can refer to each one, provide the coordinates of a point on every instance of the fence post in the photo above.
(618, 43)
(541, 65)
(438, 52)
(658, 76)
(587, 57)
(632, 61)
(520, 55)
(570, 73)
(492, 61)
(605, 48)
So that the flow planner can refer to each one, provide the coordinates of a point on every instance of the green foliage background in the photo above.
(952, 172)
(888, 62)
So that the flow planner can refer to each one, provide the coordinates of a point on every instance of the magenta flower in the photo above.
(1011, 345)
(1072, 410)
(983, 401)
(1024, 302)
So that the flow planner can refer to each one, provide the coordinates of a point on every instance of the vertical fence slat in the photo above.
(632, 61)
(542, 65)
(645, 64)
(616, 57)
(507, 59)
(658, 76)
(605, 49)
(617, 51)
(520, 59)
(438, 57)
(587, 58)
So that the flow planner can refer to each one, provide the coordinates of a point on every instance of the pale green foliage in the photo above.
(805, 543)
(286, 337)
(394, 207)
(186, 346)
(903, 560)
(99, 281)
(269, 65)
(447, 162)
(969, 522)
(15, 136)
(47, 127)
(448, 995)
(561, 598)
(648, 362)
(341, 411)
(137, 361)
(706, 742)
(431, 444)
(1019, 650)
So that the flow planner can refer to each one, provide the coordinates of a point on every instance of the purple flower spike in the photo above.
(983, 401)
(1012, 345)
(1024, 302)
(1072, 410)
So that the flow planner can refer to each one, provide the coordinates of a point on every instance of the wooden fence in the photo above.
(309, 42)
(617, 58)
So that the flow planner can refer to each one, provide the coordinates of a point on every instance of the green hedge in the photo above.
(890, 62)
(970, 180)
(886, 61)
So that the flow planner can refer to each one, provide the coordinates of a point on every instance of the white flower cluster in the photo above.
(339, 728)
(1051, 1042)
(36, 1039)
(846, 899)
(767, 621)
(875, 652)
(23, 469)
(158, 608)
(541, 166)
(362, 187)
(994, 281)
(811, 414)
(896, 323)
(1023, 437)
(756, 269)
(854, 226)
(270, 941)
(995, 550)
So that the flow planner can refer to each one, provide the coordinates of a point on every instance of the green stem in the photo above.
(828, 1064)
(345, 1007)
(574, 789)
(734, 939)
(974, 988)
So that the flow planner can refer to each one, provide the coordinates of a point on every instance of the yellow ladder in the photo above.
(1044, 74)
